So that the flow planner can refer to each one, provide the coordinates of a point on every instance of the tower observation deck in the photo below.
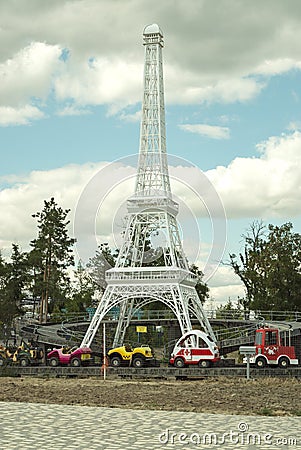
(145, 271)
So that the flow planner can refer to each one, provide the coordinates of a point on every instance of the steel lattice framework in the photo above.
(145, 274)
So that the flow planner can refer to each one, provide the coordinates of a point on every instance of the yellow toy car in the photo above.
(128, 356)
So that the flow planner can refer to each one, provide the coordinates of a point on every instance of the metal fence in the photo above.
(166, 314)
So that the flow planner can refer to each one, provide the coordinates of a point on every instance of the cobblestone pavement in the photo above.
(35, 426)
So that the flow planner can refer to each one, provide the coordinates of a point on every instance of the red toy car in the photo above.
(69, 356)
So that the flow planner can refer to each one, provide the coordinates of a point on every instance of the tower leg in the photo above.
(126, 311)
(182, 300)
(107, 302)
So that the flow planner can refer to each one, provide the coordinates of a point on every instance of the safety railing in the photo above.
(161, 314)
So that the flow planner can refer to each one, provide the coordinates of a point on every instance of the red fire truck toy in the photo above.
(270, 350)
(194, 347)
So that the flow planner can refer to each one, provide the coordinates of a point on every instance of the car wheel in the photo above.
(204, 363)
(115, 361)
(261, 362)
(283, 362)
(138, 362)
(179, 362)
(53, 362)
(75, 362)
(24, 362)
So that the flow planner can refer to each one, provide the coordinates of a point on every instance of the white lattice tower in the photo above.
(137, 279)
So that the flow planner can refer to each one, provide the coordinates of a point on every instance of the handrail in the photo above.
(163, 314)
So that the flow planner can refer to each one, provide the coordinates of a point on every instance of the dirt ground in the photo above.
(223, 395)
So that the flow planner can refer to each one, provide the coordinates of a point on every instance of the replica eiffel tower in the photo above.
(137, 279)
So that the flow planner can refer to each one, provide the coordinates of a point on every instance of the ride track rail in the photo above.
(148, 372)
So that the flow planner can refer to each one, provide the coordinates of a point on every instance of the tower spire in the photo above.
(152, 211)
(152, 176)
(151, 264)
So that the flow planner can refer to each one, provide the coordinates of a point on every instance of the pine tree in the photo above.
(18, 275)
(13, 277)
(51, 256)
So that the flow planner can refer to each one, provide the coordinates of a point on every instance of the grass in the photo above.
(266, 412)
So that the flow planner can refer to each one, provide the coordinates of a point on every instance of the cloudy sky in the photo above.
(71, 74)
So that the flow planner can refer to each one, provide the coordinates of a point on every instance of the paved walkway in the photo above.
(29, 426)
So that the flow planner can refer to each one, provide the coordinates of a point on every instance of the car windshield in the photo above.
(128, 348)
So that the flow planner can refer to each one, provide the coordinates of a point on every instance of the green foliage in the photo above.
(270, 267)
(51, 256)
(82, 291)
(201, 287)
(3, 271)
(103, 260)
(152, 337)
(229, 310)
(13, 278)
(266, 411)
(43, 272)
(18, 274)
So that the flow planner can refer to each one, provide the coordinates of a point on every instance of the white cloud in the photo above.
(225, 276)
(196, 87)
(226, 54)
(211, 131)
(72, 110)
(223, 285)
(106, 81)
(127, 117)
(277, 66)
(221, 294)
(19, 116)
(267, 186)
(25, 196)
(210, 54)
(85, 189)
(292, 126)
(28, 73)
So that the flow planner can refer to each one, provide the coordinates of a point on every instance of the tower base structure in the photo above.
(131, 290)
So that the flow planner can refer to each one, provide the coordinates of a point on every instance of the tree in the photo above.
(17, 270)
(270, 267)
(51, 256)
(201, 287)
(229, 310)
(13, 278)
(82, 291)
(3, 269)
(3, 297)
(283, 257)
(103, 260)
(35, 267)
(248, 265)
